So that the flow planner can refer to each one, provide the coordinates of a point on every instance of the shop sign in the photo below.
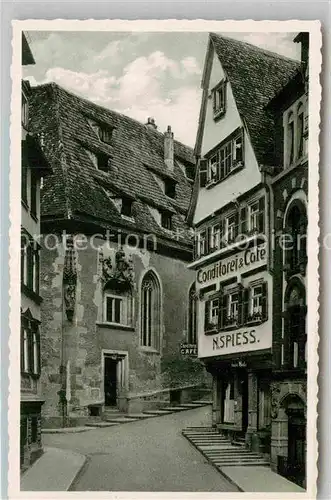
(189, 349)
(239, 364)
(242, 262)
(236, 341)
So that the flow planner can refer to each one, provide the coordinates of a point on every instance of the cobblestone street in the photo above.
(151, 455)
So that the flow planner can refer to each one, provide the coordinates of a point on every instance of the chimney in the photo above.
(169, 148)
(151, 123)
(303, 38)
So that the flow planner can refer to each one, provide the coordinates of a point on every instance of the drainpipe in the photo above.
(270, 211)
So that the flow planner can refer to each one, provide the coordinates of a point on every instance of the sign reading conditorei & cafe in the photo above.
(244, 261)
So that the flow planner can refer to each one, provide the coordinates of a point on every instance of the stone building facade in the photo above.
(250, 188)
(118, 299)
(290, 201)
(33, 167)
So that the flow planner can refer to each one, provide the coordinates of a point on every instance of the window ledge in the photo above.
(233, 171)
(31, 294)
(217, 115)
(150, 350)
(115, 326)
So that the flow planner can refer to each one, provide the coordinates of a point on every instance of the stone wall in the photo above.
(84, 338)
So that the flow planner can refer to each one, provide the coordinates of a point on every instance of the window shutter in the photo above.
(208, 238)
(30, 349)
(37, 271)
(236, 229)
(243, 220)
(203, 168)
(30, 265)
(264, 301)
(246, 298)
(224, 310)
(207, 314)
(221, 223)
(240, 306)
(261, 220)
(22, 344)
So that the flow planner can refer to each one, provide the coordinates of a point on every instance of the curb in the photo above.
(79, 473)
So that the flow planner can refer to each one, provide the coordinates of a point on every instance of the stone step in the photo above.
(138, 415)
(157, 412)
(100, 424)
(191, 405)
(173, 408)
(240, 463)
(203, 402)
(229, 453)
(201, 430)
(121, 420)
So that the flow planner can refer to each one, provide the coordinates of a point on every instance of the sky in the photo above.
(138, 74)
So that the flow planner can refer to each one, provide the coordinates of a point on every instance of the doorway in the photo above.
(296, 461)
(110, 382)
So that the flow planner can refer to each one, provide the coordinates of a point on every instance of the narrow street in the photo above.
(147, 455)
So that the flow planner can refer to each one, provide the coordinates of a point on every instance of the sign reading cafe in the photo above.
(236, 264)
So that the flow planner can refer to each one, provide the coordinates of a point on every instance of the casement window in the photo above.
(150, 312)
(226, 159)
(114, 309)
(126, 208)
(169, 188)
(215, 237)
(219, 99)
(256, 303)
(231, 227)
(256, 219)
(192, 316)
(202, 243)
(24, 111)
(228, 402)
(236, 306)
(212, 310)
(118, 304)
(295, 123)
(30, 259)
(166, 220)
(30, 346)
(203, 172)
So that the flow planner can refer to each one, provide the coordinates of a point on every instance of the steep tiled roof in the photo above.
(255, 75)
(137, 154)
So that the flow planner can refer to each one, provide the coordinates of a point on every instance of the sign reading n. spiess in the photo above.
(245, 339)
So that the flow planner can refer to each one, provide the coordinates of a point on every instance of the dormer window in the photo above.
(166, 221)
(126, 209)
(169, 188)
(219, 99)
(105, 134)
(103, 162)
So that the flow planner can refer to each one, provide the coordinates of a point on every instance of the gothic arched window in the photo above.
(295, 326)
(150, 311)
(296, 251)
(290, 139)
(192, 316)
(299, 130)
